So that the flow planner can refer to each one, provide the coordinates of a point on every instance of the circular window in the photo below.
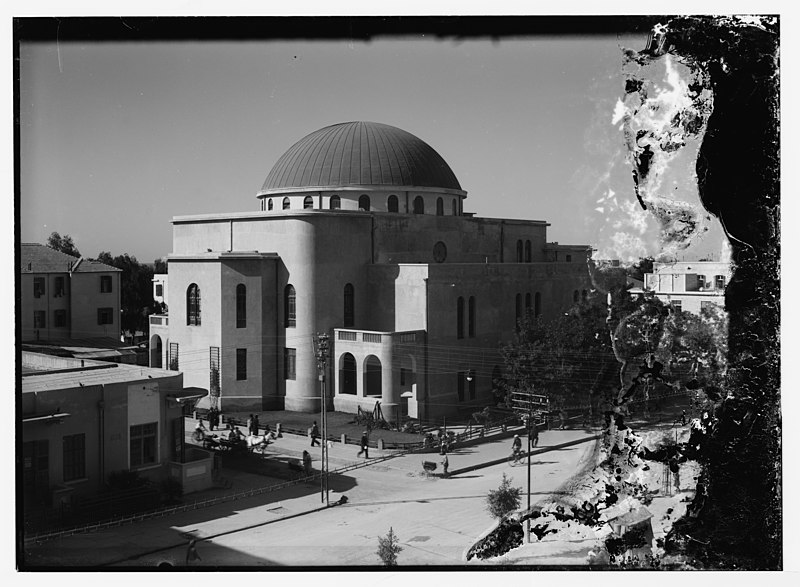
(439, 252)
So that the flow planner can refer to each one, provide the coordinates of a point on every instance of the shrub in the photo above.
(388, 548)
(503, 500)
(171, 490)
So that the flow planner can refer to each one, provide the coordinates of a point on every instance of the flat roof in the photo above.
(87, 377)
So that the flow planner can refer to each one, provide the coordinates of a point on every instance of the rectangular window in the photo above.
(105, 284)
(472, 387)
(719, 282)
(39, 319)
(241, 364)
(59, 290)
(159, 290)
(143, 443)
(213, 368)
(105, 316)
(460, 385)
(701, 281)
(402, 376)
(173, 356)
(677, 305)
(569, 258)
(74, 457)
(290, 363)
(60, 318)
(38, 287)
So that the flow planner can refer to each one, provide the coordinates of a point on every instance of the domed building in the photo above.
(361, 234)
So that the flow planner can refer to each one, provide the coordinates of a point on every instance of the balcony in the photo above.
(378, 337)
(159, 320)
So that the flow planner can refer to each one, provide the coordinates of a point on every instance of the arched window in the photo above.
(269, 204)
(241, 306)
(527, 251)
(193, 305)
(460, 318)
(471, 315)
(455, 207)
(290, 306)
(391, 205)
(527, 304)
(349, 306)
(575, 295)
(419, 205)
(335, 203)
(439, 207)
(537, 304)
(519, 251)
(518, 305)
(363, 203)
(308, 203)
(286, 203)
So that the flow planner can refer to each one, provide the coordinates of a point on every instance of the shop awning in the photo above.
(187, 394)
(52, 418)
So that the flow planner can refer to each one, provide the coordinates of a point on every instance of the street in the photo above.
(436, 519)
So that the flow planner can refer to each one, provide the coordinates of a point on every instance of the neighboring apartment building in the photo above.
(65, 297)
(160, 288)
(83, 419)
(362, 235)
(689, 285)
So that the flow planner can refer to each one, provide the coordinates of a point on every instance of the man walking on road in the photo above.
(364, 445)
(314, 433)
(191, 553)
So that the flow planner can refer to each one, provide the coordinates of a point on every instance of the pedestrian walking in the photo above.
(306, 462)
(683, 417)
(364, 445)
(256, 425)
(445, 464)
(249, 424)
(535, 435)
(314, 433)
(191, 553)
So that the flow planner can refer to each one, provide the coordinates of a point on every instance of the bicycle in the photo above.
(515, 458)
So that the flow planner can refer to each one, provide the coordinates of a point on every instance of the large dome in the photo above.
(359, 154)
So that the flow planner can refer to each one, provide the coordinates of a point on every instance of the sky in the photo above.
(117, 138)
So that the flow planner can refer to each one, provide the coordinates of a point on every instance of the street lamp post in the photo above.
(322, 363)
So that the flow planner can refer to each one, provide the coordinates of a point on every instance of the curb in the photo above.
(532, 453)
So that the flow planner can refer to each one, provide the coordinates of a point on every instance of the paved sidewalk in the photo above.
(125, 545)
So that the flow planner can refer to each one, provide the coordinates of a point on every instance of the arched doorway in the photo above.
(156, 349)
(347, 374)
(373, 373)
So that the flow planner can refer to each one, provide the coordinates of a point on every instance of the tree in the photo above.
(642, 266)
(159, 266)
(136, 291)
(388, 548)
(503, 500)
(63, 244)
(566, 358)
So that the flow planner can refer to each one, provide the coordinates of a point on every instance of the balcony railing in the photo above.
(159, 320)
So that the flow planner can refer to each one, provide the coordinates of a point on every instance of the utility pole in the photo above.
(531, 424)
(523, 404)
(322, 365)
